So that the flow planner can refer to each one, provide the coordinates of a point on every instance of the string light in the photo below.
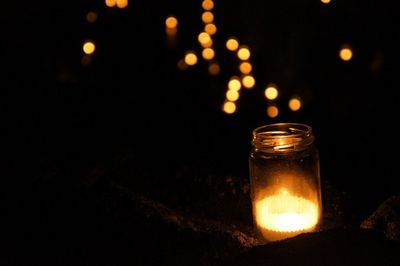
(243, 53)
(248, 81)
(91, 17)
(190, 58)
(232, 95)
(171, 22)
(89, 47)
(214, 68)
(229, 107)
(204, 38)
(122, 3)
(110, 3)
(207, 17)
(245, 67)
(271, 92)
(208, 53)
(232, 44)
(272, 111)
(210, 29)
(295, 104)
(346, 53)
(207, 4)
(234, 84)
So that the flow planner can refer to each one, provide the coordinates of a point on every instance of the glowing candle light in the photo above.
(286, 195)
(285, 213)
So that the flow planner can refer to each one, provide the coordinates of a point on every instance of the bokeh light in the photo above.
(86, 60)
(190, 58)
(248, 81)
(91, 17)
(207, 4)
(122, 3)
(243, 53)
(110, 3)
(346, 53)
(171, 22)
(204, 38)
(245, 68)
(295, 104)
(325, 1)
(271, 92)
(210, 28)
(234, 84)
(89, 47)
(272, 111)
(229, 107)
(208, 53)
(207, 17)
(232, 44)
(232, 95)
(214, 68)
(181, 65)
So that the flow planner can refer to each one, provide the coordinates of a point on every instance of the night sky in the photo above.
(131, 100)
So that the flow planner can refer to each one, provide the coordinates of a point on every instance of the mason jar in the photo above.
(284, 181)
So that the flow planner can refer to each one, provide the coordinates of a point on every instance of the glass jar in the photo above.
(284, 181)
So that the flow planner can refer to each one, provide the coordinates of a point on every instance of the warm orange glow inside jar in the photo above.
(285, 181)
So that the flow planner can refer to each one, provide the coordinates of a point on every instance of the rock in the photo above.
(386, 218)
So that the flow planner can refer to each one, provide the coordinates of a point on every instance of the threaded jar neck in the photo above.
(282, 137)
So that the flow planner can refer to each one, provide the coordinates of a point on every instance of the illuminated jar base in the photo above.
(283, 215)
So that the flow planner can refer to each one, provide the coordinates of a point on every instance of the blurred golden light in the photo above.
(248, 81)
(111, 3)
(190, 58)
(243, 53)
(171, 22)
(91, 17)
(210, 28)
(86, 60)
(214, 68)
(122, 3)
(271, 92)
(232, 44)
(272, 111)
(207, 17)
(207, 44)
(346, 53)
(229, 107)
(325, 1)
(207, 4)
(234, 84)
(208, 53)
(245, 67)
(182, 65)
(204, 38)
(294, 104)
(232, 95)
(89, 47)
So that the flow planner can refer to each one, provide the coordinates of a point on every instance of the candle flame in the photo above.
(286, 213)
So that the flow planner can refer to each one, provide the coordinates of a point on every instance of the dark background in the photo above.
(132, 106)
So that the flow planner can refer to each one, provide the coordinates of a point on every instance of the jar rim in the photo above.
(282, 137)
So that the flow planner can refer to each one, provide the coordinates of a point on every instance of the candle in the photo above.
(284, 213)
(284, 181)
